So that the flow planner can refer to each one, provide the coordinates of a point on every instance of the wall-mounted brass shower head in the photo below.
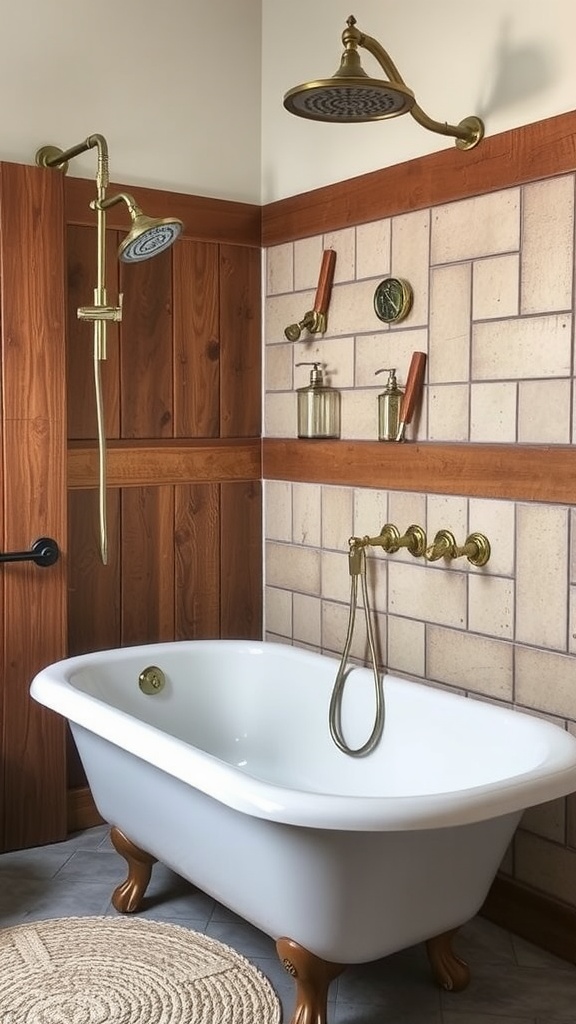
(350, 95)
(148, 236)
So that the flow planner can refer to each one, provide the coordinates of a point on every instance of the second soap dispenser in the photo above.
(318, 406)
(389, 402)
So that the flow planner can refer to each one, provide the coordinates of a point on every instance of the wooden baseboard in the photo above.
(541, 919)
(82, 812)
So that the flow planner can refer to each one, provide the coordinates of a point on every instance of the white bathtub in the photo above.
(229, 776)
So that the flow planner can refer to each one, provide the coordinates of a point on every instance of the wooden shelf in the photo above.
(515, 472)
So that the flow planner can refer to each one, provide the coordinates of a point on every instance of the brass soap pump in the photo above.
(389, 403)
(318, 406)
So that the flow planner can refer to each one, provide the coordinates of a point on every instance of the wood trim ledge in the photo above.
(533, 151)
(142, 464)
(205, 219)
(516, 472)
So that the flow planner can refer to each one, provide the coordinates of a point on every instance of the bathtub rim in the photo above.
(256, 797)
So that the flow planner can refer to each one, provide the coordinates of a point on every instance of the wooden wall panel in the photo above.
(146, 408)
(81, 405)
(240, 342)
(33, 493)
(197, 579)
(241, 560)
(205, 219)
(196, 340)
(93, 588)
(147, 547)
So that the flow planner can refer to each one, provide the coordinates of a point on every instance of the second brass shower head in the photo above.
(350, 95)
(148, 236)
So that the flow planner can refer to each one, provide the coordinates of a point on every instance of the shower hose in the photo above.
(357, 562)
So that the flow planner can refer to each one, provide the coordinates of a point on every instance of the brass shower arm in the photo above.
(53, 156)
(352, 37)
(467, 133)
(120, 197)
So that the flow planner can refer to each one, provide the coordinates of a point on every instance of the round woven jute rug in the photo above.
(105, 970)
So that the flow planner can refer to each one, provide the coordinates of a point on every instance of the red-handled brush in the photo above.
(412, 392)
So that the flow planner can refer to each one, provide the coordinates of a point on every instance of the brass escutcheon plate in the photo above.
(152, 680)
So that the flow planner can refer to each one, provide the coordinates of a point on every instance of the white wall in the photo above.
(177, 87)
(173, 85)
(509, 61)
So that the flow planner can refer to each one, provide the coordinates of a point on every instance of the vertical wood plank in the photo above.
(81, 403)
(240, 341)
(196, 340)
(32, 299)
(197, 546)
(147, 612)
(241, 560)
(93, 588)
(146, 348)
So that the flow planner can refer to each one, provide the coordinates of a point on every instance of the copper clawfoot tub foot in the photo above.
(128, 896)
(451, 972)
(312, 976)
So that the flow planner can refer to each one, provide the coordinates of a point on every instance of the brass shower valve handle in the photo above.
(476, 548)
(315, 320)
(391, 540)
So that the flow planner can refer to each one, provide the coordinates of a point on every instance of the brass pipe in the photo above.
(100, 312)
(468, 133)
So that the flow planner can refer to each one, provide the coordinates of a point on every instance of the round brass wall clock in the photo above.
(392, 300)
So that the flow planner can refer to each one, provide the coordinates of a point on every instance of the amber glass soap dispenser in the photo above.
(318, 406)
(389, 402)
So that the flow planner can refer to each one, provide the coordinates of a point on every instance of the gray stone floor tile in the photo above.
(90, 839)
(399, 984)
(482, 942)
(93, 865)
(43, 862)
(64, 900)
(243, 937)
(517, 991)
(528, 955)
(360, 1013)
(482, 1018)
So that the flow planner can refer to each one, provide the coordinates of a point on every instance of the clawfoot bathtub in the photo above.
(225, 771)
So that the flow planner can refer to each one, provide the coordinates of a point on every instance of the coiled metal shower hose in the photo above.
(357, 562)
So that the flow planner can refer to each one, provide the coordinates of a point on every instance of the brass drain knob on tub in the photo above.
(152, 680)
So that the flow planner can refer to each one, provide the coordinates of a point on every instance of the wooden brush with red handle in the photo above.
(412, 392)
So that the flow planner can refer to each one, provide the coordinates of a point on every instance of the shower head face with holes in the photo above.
(349, 100)
(148, 237)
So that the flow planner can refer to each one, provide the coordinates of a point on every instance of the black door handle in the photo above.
(44, 552)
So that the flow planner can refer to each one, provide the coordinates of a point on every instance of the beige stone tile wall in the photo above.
(493, 309)
(492, 279)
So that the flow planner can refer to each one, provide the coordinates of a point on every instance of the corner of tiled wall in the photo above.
(493, 309)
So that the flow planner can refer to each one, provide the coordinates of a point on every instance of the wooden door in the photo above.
(32, 500)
